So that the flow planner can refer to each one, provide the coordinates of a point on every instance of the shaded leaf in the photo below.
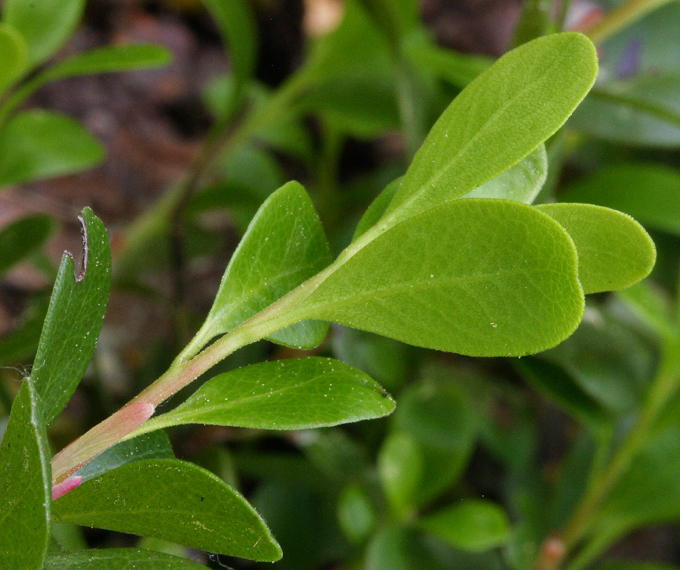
(13, 55)
(520, 183)
(117, 559)
(377, 208)
(458, 278)
(23, 237)
(557, 385)
(283, 246)
(356, 513)
(634, 565)
(25, 483)
(476, 138)
(172, 500)
(154, 445)
(44, 25)
(109, 59)
(473, 524)
(648, 192)
(400, 466)
(40, 144)
(286, 394)
(74, 319)
(614, 251)
(644, 110)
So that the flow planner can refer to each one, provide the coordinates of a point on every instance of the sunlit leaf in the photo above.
(614, 251)
(117, 559)
(286, 394)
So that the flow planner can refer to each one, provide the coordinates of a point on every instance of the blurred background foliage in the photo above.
(487, 463)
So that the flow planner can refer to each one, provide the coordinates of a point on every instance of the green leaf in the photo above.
(652, 307)
(25, 482)
(494, 122)
(109, 59)
(154, 445)
(297, 393)
(556, 384)
(117, 559)
(44, 25)
(20, 239)
(438, 415)
(477, 277)
(236, 23)
(614, 251)
(377, 208)
(648, 192)
(73, 320)
(400, 466)
(283, 246)
(356, 514)
(172, 500)
(40, 144)
(520, 183)
(644, 111)
(473, 524)
(13, 55)
(634, 565)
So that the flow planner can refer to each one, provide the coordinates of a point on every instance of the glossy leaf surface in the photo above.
(286, 394)
(614, 251)
(13, 55)
(117, 559)
(74, 319)
(641, 111)
(473, 524)
(109, 59)
(21, 238)
(44, 25)
(154, 445)
(172, 500)
(283, 246)
(478, 136)
(25, 485)
(478, 277)
(39, 144)
(648, 192)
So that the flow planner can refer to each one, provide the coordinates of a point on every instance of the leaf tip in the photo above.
(60, 489)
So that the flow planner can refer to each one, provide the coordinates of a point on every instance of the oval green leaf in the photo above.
(495, 121)
(284, 246)
(172, 500)
(648, 192)
(117, 559)
(13, 55)
(473, 524)
(40, 144)
(297, 393)
(478, 277)
(400, 467)
(74, 319)
(44, 25)
(24, 485)
(614, 251)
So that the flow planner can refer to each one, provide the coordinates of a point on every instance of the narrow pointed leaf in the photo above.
(109, 59)
(477, 277)
(13, 55)
(40, 144)
(521, 182)
(474, 525)
(495, 121)
(44, 25)
(172, 500)
(284, 246)
(287, 394)
(648, 192)
(117, 559)
(25, 482)
(74, 319)
(614, 251)
(20, 239)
